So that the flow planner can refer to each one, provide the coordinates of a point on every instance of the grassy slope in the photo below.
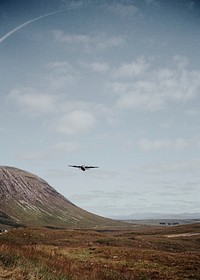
(29, 200)
(67, 216)
(141, 252)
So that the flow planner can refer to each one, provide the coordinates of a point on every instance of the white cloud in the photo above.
(60, 74)
(76, 122)
(124, 10)
(99, 67)
(154, 89)
(135, 68)
(60, 36)
(86, 42)
(69, 106)
(148, 145)
(188, 166)
(60, 67)
(71, 5)
(140, 100)
(180, 61)
(103, 43)
(32, 101)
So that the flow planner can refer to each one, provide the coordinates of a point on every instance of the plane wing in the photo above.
(77, 166)
(87, 167)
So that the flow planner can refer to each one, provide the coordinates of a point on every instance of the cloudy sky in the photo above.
(108, 83)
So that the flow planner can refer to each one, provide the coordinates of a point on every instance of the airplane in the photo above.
(83, 167)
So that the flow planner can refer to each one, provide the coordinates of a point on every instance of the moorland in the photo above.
(141, 252)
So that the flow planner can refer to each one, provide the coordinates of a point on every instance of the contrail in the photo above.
(26, 23)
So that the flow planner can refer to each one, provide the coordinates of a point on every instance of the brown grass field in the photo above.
(140, 252)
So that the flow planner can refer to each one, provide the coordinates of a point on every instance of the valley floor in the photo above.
(142, 252)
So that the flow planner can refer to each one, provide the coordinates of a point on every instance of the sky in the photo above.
(115, 84)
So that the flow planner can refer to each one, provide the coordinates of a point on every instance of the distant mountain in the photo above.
(145, 216)
(26, 199)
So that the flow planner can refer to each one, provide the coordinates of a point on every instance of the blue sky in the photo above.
(108, 83)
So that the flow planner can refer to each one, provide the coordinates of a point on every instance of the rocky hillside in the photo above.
(26, 199)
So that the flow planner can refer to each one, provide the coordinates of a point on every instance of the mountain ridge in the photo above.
(28, 200)
(158, 216)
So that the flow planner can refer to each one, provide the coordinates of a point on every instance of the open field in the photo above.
(142, 252)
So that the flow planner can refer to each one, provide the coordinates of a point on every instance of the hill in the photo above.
(28, 200)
